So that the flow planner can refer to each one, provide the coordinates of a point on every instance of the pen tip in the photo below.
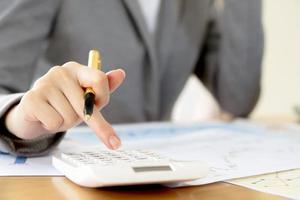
(87, 117)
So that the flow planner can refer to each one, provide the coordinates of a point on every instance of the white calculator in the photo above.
(101, 168)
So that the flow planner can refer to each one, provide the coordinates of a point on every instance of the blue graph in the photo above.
(18, 159)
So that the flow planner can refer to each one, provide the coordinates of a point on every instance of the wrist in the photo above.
(17, 125)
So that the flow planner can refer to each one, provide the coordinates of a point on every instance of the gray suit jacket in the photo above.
(223, 49)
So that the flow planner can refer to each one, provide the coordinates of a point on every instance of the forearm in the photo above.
(20, 48)
(241, 50)
(230, 62)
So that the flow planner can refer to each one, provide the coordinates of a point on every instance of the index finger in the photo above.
(74, 93)
(103, 130)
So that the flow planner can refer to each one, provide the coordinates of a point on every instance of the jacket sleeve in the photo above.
(25, 26)
(231, 59)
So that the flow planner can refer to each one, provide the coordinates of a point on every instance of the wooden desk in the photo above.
(59, 188)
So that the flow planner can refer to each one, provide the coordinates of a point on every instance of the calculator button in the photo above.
(112, 157)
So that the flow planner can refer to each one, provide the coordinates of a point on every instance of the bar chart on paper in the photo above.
(15, 160)
(23, 166)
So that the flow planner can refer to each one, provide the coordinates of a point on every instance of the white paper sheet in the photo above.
(232, 150)
(12, 166)
(35, 166)
(285, 183)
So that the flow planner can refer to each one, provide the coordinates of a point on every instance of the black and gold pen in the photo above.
(89, 95)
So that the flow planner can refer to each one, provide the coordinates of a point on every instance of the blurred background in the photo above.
(281, 71)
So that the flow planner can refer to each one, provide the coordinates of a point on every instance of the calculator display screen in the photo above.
(152, 168)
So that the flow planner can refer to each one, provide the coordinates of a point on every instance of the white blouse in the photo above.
(150, 10)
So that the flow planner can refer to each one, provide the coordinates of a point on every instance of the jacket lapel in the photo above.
(158, 48)
(137, 17)
(166, 29)
(159, 45)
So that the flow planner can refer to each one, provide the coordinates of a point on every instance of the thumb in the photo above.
(115, 78)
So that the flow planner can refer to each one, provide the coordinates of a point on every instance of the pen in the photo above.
(89, 95)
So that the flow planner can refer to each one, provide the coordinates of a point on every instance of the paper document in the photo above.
(22, 166)
(286, 183)
(36, 166)
(231, 150)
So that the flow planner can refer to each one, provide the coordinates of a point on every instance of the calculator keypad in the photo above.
(107, 157)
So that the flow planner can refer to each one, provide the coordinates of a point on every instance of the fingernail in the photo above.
(122, 70)
(114, 142)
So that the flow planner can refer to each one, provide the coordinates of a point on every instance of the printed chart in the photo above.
(286, 183)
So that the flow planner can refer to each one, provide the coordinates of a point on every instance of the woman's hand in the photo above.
(55, 103)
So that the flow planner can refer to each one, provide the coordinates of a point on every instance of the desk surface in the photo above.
(49, 188)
